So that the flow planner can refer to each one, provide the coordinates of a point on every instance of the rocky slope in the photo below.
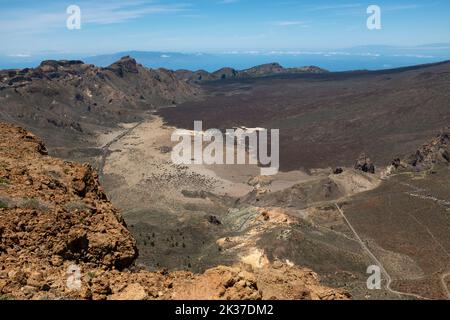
(55, 220)
(328, 120)
(263, 70)
(65, 102)
(436, 151)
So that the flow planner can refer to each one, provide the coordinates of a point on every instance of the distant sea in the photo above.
(357, 58)
(329, 62)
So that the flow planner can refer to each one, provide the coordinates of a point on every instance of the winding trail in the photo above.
(440, 202)
(419, 193)
(377, 262)
(105, 149)
(444, 203)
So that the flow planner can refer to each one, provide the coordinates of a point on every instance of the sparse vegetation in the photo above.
(33, 203)
(76, 206)
(90, 275)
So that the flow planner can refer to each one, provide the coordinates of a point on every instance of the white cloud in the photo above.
(400, 7)
(125, 10)
(335, 7)
(19, 55)
(290, 23)
(98, 12)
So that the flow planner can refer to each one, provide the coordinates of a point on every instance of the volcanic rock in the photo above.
(364, 164)
(435, 152)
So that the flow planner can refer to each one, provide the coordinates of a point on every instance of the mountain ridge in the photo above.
(263, 70)
(77, 99)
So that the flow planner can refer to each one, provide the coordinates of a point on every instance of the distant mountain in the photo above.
(157, 59)
(329, 119)
(370, 57)
(75, 99)
(264, 70)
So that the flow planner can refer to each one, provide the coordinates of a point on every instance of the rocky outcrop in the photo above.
(55, 211)
(436, 151)
(194, 76)
(124, 65)
(276, 68)
(68, 102)
(363, 163)
(92, 82)
(225, 73)
(299, 195)
(60, 238)
(263, 70)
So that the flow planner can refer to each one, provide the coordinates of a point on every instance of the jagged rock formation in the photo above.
(276, 68)
(364, 164)
(194, 76)
(263, 70)
(74, 99)
(435, 152)
(55, 221)
(155, 86)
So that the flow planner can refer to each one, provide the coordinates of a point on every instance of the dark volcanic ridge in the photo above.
(264, 70)
(75, 100)
(66, 102)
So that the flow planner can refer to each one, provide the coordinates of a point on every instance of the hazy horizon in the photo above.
(30, 27)
(212, 34)
(356, 58)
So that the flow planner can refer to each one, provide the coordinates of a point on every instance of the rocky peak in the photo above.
(264, 69)
(225, 73)
(125, 65)
(312, 69)
(55, 65)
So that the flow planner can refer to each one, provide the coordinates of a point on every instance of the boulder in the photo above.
(133, 291)
(363, 163)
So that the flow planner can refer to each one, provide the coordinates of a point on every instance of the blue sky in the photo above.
(35, 26)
